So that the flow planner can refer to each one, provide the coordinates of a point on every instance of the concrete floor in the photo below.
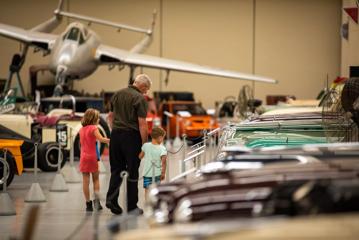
(65, 211)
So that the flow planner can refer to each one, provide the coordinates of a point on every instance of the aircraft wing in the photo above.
(41, 40)
(111, 55)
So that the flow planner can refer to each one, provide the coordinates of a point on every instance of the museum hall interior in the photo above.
(172, 119)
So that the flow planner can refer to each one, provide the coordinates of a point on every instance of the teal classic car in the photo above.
(281, 128)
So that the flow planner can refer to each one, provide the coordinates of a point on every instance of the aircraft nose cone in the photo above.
(64, 59)
(66, 54)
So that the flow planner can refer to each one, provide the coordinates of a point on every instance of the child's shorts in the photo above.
(147, 181)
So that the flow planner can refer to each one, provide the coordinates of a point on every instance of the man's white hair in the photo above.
(143, 79)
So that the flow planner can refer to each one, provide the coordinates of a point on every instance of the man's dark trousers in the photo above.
(125, 146)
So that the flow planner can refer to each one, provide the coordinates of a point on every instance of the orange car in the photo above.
(14, 159)
(192, 117)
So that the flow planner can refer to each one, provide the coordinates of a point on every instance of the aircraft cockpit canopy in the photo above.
(75, 34)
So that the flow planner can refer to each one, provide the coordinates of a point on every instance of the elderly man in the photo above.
(129, 131)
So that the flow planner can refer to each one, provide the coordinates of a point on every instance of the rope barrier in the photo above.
(141, 178)
(177, 151)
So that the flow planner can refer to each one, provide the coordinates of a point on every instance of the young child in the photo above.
(156, 152)
(89, 134)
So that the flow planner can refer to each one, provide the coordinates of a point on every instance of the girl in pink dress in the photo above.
(89, 134)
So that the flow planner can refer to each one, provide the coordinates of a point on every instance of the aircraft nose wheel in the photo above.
(58, 90)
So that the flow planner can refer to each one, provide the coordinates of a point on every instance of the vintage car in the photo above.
(280, 127)
(47, 151)
(192, 119)
(26, 122)
(13, 160)
(68, 111)
(329, 121)
(248, 185)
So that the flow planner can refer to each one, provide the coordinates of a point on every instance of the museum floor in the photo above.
(64, 211)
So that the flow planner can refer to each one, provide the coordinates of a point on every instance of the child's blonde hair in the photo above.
(91, 117)
(157, 132)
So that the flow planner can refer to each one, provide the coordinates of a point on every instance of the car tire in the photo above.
(27, 152)
(104, 130)
(11, 168)
(48, 156)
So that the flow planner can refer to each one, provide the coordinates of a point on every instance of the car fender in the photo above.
(13, 146)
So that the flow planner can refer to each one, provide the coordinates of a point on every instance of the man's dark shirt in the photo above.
(128, 105)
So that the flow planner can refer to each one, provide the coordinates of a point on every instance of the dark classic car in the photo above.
(262, 185)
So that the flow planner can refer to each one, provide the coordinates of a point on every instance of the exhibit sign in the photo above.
(61, 134)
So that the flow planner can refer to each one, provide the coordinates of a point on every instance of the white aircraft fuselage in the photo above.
(73, 53)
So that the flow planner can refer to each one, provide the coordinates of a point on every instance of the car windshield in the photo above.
(193, 109)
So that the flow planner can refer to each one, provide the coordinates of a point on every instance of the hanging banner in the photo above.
(353, 13)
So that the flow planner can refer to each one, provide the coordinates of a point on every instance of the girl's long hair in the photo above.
(91, 117)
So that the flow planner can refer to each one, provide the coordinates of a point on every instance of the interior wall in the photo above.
(350, 48)
(295, 42)
(298, 43)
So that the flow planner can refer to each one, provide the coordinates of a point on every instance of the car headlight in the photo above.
(157, 216)
(183, 211)
(153, 194)
(161, 214)
(187, 123)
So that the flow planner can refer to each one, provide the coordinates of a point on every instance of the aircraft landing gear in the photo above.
(15, 67)
(60, 81)
(58, 90)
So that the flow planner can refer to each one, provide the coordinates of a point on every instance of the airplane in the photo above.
(78, 51)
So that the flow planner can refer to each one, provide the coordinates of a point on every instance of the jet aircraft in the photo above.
(78, 51)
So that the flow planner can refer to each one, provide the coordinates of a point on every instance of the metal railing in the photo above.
(199, 154)
(73, 99)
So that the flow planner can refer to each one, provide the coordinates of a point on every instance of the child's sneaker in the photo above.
(89, 207)
(97, 204)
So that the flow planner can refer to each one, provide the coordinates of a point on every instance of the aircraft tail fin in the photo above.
(60, 6)
(153, 23)
(147, 40)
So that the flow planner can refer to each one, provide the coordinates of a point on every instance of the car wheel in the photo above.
(27, 152)
(48, 156)
(11, 166)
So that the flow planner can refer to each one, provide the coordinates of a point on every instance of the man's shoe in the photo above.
(89, 207)
(135, 211)
(114, 209)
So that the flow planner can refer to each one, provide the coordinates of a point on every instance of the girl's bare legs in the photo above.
(96, 182)
(85, 185)
(96, 189)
